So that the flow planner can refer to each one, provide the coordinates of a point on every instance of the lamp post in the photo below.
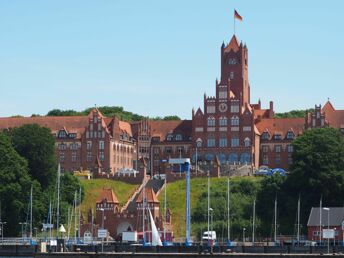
(198, 144)
(2, 223)
(328, 227)
(102, 209)
(243, 235)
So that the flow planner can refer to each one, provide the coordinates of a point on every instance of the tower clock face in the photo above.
(223, 107)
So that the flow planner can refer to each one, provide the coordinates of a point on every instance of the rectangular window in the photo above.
(101, 156)
(89, 156)
(62, 146)
(62, 157)
(73, 156)
(74, 146)
(89, 145)
(210, 109)
(290, 148)
(156, 150)
(278, 159)
(235, 142)
(223, 142)
(265, 160)
(265, 148)
(278, 148)
(277, 137)
(223, 94)
(211, 142)
(168, 150)
(101, 145)
(234, 108)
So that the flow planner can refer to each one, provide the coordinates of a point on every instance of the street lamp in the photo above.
(243, 235)
(198, 144)
(328, 227)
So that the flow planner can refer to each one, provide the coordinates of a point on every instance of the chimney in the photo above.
(271, 110)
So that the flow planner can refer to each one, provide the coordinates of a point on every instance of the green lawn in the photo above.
(176, 199)
(93, 188)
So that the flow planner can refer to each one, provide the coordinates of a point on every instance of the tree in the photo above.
(37, 145)
(14, 182)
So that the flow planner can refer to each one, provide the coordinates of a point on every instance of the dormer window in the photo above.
(277, 137)
(62, 134)
(179, 137)
(169, 137)
(290, 135)
(72, 135)
(265, 136)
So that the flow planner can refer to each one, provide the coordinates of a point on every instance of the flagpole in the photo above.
(234, 21)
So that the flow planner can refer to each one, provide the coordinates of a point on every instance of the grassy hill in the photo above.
(176, 199)
(93, 188)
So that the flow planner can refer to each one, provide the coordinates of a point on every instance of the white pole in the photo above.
(328, 229)
(75, 215)
(253, 220)
(275, 228)
(165, 211)
(58, 201)
(143, 215)
(228, 212)
(298, 221)
(30, 233)
(320, 226)
(208, 203)
(79, 212)
(196, 160)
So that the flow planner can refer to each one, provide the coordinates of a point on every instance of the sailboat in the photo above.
(156, 241)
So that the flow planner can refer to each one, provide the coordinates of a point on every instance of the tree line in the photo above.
(27, 159)
(317, 172)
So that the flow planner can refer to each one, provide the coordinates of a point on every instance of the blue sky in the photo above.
(158, 57)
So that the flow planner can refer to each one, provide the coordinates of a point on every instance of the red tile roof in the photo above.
(150, 196)
(335, 118)
(162, 128)
(281, 126)
(107, 195)
(75, 124)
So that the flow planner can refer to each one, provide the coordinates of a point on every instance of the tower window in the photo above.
(223, 121)
(235, 120)
(232, 61)
(211, 121)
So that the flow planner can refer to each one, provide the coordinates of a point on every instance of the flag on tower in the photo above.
(237, 15)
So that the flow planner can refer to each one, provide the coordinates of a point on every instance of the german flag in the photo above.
(237, 15)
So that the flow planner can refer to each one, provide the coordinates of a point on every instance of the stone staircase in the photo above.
(155, 184)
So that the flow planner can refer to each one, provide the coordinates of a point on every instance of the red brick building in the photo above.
(92, 142)
(229, 126)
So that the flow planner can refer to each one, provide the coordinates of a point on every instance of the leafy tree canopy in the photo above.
(36, 145)
(294, 113)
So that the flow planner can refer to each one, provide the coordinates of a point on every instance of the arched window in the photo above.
(223, 121)
(211, 121)
(222, 158)
(169, 137)
(179, 137)
(235, 120)
(245, 158)
(247, 142)
(233, 157)
(209, 157)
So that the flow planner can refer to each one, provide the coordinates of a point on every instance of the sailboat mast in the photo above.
(253, 220)
(228, 214)
(208, 210)
(165, 210)
(320, 226)
(31, 212)
(79, 212)
(50, 219)
(58, 201)
(275, 228)
(75, 215)
(298, 221)
(143, 214)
